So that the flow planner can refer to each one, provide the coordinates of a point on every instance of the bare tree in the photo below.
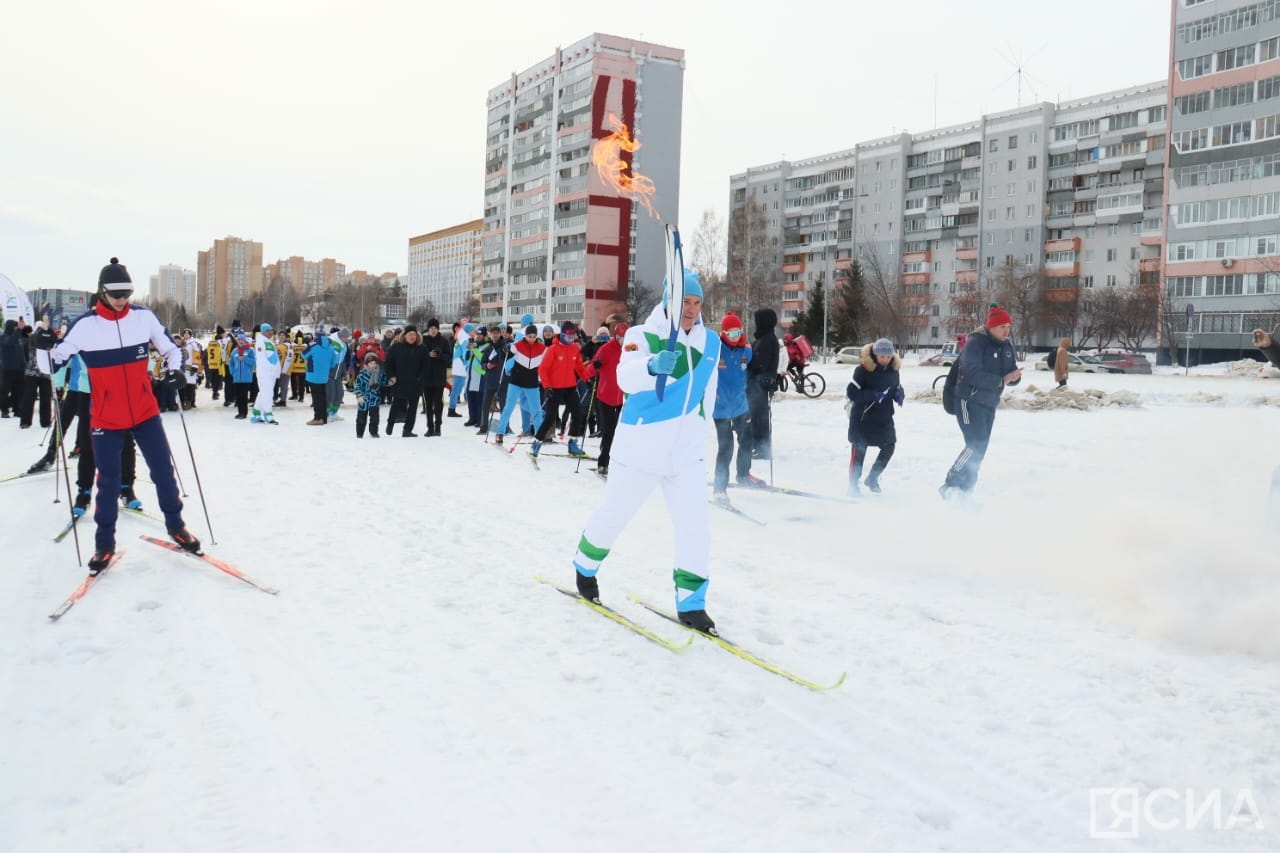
(1017, 287)
(707, 259)
(754, 280)
(1096, 324)
(1137, 316)
(887, 308)
(421, 314)
(640, 301)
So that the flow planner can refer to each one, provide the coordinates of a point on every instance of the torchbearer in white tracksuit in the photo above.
(660, 443)
(267, 360)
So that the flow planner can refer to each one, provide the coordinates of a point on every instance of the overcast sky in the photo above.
(148, 129)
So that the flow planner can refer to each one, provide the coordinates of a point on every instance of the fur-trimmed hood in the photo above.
(869, 361)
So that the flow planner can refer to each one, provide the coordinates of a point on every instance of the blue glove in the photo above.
(663, 363)
(899, 395)
(880, 395)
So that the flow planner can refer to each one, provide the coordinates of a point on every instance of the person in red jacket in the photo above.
(608, 395)
(561, 369)
(113, 340)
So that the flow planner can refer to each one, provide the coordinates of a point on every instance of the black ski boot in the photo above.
(82, 503)
(587, 587)
(873, 483)
(42, 464)
(184, 538)
(698, 620)
(100, 560)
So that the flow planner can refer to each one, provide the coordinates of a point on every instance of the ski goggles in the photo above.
(733, 333)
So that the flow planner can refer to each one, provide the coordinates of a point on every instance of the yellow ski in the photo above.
(610, 613)
(737, 650)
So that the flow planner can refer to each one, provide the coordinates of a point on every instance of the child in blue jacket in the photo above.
(369, 385)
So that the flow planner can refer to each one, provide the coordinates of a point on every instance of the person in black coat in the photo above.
(762, 381)
(439, 350)
(12, 362)
(873, 392)
(406, 368)
(988, 363)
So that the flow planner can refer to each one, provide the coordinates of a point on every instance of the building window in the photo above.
(1111, 254)
(1031, 162)
(1013, 142)
(993, 146)
(1013, 164)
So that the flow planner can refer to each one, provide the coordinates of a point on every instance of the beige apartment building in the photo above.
(446, 268)
(227, 272)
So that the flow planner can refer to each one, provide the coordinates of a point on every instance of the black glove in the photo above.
(174, 379)
(43, 339)
(596, 364)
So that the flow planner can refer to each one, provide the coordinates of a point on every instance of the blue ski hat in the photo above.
(692, 284)
(526, 319)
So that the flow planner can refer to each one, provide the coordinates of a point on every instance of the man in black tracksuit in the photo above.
(762, 381)
(987, 364)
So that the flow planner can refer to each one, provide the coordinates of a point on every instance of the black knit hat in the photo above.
(114, 278)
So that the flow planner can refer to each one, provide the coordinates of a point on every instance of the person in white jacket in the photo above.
(659, 442)
(268, 370)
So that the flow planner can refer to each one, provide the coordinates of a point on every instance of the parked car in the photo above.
(1123, 362)
(849, 355)
(946, 357)
(1076, 364)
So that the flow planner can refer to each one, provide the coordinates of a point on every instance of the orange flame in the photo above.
(607, 156)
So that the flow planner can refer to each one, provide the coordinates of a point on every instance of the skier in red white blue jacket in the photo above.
(113, 340)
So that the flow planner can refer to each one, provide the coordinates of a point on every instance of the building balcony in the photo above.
(1061, 294)
(793, 303)
(916, 322)
(917, 257)
(915, 300)
(915, 278)
(1071, 270)
(792, 287)
(1152, 239)
(844, 263)
(967, 276)
(967, 253)
(793, 267)
(1066, 244)
(1149, 265)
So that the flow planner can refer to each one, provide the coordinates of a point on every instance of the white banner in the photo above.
(15, 301)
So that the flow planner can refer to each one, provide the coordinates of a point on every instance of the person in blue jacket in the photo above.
(241, 364)
(321, 359)
(732, 415)
(987, 364)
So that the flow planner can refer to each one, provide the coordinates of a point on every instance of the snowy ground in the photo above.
(1108, 620)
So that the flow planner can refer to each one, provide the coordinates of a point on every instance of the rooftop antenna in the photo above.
(1019, 63)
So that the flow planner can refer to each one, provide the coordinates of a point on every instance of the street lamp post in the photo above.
(834, 208)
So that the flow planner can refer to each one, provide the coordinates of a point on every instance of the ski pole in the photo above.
(66, 472)
(196, 468)
(176, 475)
(587, 420)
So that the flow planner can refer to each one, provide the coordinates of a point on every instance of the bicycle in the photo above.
(811, 385)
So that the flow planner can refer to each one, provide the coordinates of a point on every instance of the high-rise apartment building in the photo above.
(445, 269)
(1069, 193)
(229, 271)
(560, 241)
(1222, 237)
(175, 284)
(309, 279)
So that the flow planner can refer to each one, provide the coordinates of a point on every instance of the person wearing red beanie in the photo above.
(998, 316)
(987, 364)
(732, 414)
